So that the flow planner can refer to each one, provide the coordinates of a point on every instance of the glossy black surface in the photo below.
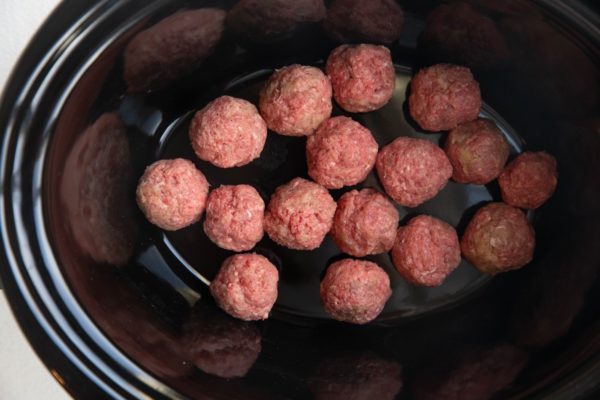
(120, 309)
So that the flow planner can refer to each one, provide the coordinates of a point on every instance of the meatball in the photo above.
(295, 100)
(529, 180)
(498, 238)
(234, 217)
(228, 132)
(443, 96)
(299, 214)
(220, 345)
(272, 21)
(477, 151)
(342, 152)
(355, 291)
(362, 76)
(365, 223)
(246, 286)
(173, 47)
(172, 193)
(426, 251)
(412, 170)
(374, 21)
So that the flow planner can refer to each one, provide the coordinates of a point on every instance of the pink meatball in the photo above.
(444, 96)
(172, 48)
(498, 238)
(375, 21)
(295, 100)
(228, 132)
(365, 222)
(172, 193)
(299, 214)
(246, 286)
(355, 291)
(342, 152)
(477, 151)
(426, 251)
(529, 180)
(234, 217)
(362, 76)
(412, 170)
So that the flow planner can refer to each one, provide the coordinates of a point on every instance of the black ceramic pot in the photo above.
(117, 308)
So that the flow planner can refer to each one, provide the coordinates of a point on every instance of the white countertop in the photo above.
(22, 375)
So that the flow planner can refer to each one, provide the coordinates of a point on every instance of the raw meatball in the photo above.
(355, 291)
(426, 251)
(299, 214)
(498, 238)
(443, 96)
(234, 217)
(357, 377)
(173, 47)
(228, 132)
(295, 100)
(271, 21)
(375, 21)
(412, 170)
(342, 152)
(477, 151)
(172, 193)
(529, 180)
(220, 345)
(246, 286)
(365, 222)
(362, 76)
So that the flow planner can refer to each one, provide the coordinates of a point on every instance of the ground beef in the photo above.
(355, 291)
(299, 214)
(498, 238)
(426, 251)
(271, 21)
(362, 76)
(412, 170)
(444, 96)
(477, 151)
(342, 152)
(374, 21)
(295, 100)
(529, 180)
(228, 132)
(246, 286)
(365, 223)
(234, 217)
(172, 193)
(173, 47)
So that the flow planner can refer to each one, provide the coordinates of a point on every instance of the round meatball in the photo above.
(498, 238)
(443, 96)
(355, 291)
(228, 132)
(299, 214)
(234, 217)
(426, 251)
(342, 152)
(374, 21)
(529, 180)
(295, 100)
(172, 193)
(412, 170)
(477, 151)
(365, 222)
(362, 76)
(246, 286)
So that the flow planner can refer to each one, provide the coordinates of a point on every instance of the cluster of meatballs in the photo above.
(297, 101)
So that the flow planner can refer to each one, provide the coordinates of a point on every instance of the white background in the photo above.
(22, 374)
